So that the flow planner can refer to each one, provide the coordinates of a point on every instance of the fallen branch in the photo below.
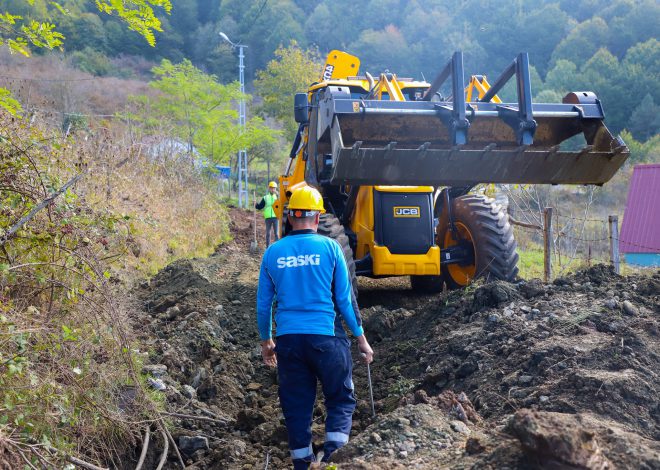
(25, 219)
(145, 448)
(21, 453)
(166, 448)
(47, 463)
(267, 460)
(74, 460)
(176, 449)
(33, 445)
(199, 418)
(209, 413)
(25, 459)
(524, 224)
(82, 463)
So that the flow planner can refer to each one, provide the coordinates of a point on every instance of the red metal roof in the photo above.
(640, 230)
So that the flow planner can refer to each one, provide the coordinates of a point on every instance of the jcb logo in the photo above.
(327, 72)
(406, 211)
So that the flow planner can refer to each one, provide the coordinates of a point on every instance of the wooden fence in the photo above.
(549, 234)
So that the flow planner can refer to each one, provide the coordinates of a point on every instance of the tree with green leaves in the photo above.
(642, 152)
(20, 34)
(562, 76)
(291, 72)
(193, 107)
(644, 122)
(371, 43)
(583, 41)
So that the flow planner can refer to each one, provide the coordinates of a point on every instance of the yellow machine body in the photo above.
(384, 262)
(373, 144)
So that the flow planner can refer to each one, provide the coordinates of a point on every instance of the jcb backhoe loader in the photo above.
(395, 162)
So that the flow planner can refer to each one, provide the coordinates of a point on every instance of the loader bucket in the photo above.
(454, 143)
(400, 147)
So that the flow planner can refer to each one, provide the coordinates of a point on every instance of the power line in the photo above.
(64, 113)
(587, 240)
(581, 219)
(33, 79)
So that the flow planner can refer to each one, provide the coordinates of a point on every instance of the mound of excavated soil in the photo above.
(527, 375)
(582, 353)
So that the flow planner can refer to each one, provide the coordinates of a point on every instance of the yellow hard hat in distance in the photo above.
(305, 199)
(272, 184)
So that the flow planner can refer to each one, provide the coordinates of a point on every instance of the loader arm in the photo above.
(481, 85)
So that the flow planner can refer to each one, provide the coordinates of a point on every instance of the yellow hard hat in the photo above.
(304, 200)
(272, 184)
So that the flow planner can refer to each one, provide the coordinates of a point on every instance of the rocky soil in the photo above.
(527, 375)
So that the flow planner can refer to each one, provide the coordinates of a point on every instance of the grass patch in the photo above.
(531, 261)
(530, 264)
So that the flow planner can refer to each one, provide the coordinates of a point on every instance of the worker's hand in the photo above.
(268, 353)
(365, 350)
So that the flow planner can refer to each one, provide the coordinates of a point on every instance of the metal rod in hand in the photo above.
(371, 392)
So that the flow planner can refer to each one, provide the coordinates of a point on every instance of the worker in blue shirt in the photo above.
(306, 273)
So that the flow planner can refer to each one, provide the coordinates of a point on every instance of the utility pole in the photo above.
(242, 154)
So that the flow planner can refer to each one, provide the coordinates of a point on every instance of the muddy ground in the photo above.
(527, 375)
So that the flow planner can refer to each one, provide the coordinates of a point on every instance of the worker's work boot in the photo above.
(303, 464)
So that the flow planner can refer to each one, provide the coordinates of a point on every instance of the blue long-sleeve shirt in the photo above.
(306, 273)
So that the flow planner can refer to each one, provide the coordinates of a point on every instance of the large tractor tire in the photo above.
(485, 225)
(329, 226)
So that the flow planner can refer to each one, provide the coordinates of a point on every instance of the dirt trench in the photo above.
(527, 375)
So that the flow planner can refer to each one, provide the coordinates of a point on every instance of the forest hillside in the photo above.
(609, 47)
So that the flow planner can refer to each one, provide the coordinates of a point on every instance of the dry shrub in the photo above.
(170, 210)
(137, 65)
(48, 87)
(67, 359)
(68, 356)
(9, 457)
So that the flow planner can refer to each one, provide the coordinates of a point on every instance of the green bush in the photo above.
(91, 61)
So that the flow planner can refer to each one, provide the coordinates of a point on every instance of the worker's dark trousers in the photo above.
(271, 222)
(301, 360)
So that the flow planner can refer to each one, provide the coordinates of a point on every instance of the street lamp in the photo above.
(242, 154)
